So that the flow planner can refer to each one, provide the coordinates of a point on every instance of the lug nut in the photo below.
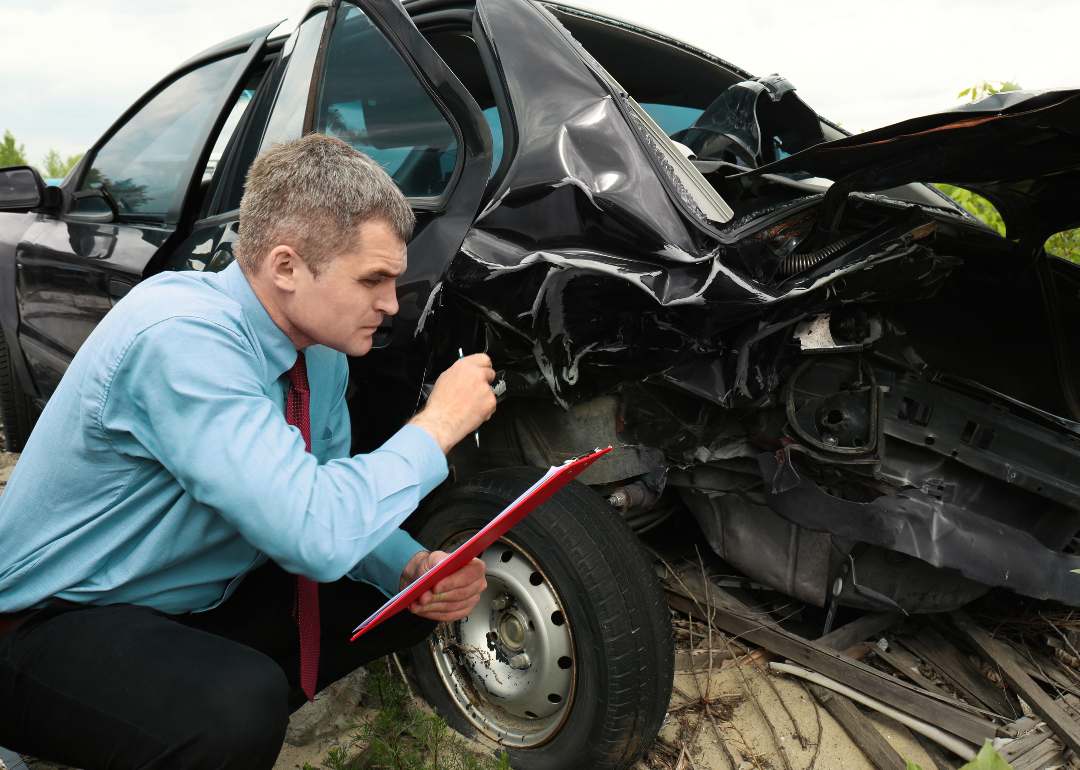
(520, 661)
(499, 602)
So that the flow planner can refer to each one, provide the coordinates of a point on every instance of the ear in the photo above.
(284, 269)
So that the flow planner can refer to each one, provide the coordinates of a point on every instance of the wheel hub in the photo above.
(510, 664)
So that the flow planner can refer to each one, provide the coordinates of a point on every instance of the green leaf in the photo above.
(1008, 85)
(987, 759)
(911, 765)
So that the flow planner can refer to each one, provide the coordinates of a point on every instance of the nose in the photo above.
(387, 301)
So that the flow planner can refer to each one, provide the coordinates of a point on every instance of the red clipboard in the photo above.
(549, 484)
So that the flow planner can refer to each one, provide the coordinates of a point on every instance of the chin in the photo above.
(361, 348)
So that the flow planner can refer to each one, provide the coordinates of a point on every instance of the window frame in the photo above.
(417, 203)
(248, 53)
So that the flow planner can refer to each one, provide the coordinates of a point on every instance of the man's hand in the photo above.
(453, 597)
(460, 402)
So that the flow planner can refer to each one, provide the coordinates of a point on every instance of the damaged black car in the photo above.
(864, 396)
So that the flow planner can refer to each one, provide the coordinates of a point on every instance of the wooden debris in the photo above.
(756, 627)
(960, 672)
(1041, 667)
(1008, 662)
(860, 728)
(908, 665)
(868, 625)
(1031, 750)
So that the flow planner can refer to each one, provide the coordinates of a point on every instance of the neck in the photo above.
(273, 302)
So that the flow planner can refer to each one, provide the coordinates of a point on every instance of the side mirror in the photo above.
(22, 189)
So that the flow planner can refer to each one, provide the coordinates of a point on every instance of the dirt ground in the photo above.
(796, 724)
(771, 722)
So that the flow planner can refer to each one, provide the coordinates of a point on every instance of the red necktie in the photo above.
(306, 603)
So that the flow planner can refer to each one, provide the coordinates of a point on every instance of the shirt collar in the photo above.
(278, 350)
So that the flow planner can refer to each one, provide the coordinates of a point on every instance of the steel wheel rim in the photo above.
(512, 701)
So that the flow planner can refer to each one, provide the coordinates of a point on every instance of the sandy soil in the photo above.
(767, 714)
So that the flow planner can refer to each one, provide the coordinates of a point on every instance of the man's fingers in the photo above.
(454, 596)
(445, 611)
(480, 359)
(469, 575)
(462, 594)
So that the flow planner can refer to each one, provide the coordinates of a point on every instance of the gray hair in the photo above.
(312, 194)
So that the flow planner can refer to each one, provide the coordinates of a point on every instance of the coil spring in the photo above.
(796, 263)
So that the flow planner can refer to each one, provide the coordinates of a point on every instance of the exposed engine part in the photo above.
(994, 440)
(925, 526)
(799, 562)
(636, 496)
(838, 413)
(845, 330)
(796, 263)
(654, 519)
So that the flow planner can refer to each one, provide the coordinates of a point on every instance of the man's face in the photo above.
(344, 306)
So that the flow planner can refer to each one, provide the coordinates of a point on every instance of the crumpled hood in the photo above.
(1019, 149)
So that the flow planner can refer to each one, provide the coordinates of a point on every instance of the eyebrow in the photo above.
(383, 272)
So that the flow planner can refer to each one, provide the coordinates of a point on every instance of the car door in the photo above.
(127, 201)
(360, 70)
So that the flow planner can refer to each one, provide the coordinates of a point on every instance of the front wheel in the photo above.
(567, 661)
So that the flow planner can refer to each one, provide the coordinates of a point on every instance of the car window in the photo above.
(1065, 244)
(287, 117)
(671, 117)
(491, 115)
(237, 112)
(372, 99)
(141, 164)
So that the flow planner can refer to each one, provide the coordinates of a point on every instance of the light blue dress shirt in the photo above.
(162, 470)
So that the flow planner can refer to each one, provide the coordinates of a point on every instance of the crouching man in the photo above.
(186, 544)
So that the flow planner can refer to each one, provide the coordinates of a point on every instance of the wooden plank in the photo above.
(1046, 754)
(1040, 667)
(1022, 745)
(862, 730)
(853, 673)
(955, 667)
(870, 624)
(1007, 661)
(908, 665)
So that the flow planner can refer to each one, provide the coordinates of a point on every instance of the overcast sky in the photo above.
(69, 68)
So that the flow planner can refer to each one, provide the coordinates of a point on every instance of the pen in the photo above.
(476, 433)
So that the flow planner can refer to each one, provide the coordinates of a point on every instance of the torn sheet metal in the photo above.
(1018, 149)
(939, 533)
(587, 270)
(589, 313)
(573, 140)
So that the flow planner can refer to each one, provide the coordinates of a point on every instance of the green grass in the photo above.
(403, 736)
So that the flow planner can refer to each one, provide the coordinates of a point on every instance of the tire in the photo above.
(17, 410)
(570, 588)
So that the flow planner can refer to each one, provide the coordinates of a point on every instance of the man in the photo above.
(194, 461)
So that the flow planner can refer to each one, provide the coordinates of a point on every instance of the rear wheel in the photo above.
(567, 661)
(16, 408)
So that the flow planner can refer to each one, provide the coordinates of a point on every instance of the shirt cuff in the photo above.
(382, 567)
(424, 453)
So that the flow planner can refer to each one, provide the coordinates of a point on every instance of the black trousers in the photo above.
(122, 686)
